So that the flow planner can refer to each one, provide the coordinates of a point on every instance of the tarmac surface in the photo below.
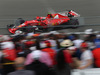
(28, 9)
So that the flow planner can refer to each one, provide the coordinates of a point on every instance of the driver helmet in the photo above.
(49, 15)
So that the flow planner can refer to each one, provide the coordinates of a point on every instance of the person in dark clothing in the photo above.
(39, 68)
(19, 21)
(27, 50)
(1, 55)
(63, 59)
(6, 65)
(62, 67)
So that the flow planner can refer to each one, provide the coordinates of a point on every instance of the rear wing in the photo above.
(65, 13)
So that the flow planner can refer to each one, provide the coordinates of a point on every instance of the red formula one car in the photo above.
(48, 23)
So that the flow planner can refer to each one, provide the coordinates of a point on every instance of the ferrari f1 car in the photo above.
(48, 23)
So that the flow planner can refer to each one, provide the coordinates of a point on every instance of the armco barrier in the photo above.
(94, 71)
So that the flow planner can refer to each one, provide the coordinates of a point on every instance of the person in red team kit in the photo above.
(50, 51)
(96, 55)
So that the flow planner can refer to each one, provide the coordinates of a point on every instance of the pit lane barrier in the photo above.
(95, 32)
(93, 71)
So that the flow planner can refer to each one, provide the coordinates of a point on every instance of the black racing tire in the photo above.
(50, 29)
(41, 29)
(27, 29)
(73, 22)
(45, 29)
(19, 21)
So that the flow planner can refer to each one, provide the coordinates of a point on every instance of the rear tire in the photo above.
(73, 22)
(50, 29)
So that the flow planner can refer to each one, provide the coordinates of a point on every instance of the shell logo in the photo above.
(19, 26)
(53, 24)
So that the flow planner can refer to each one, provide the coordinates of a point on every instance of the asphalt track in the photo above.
(28, 9)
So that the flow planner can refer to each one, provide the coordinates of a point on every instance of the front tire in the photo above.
(50, 29)
(19, 21)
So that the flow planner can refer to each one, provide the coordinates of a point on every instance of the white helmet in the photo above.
(66, 43)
